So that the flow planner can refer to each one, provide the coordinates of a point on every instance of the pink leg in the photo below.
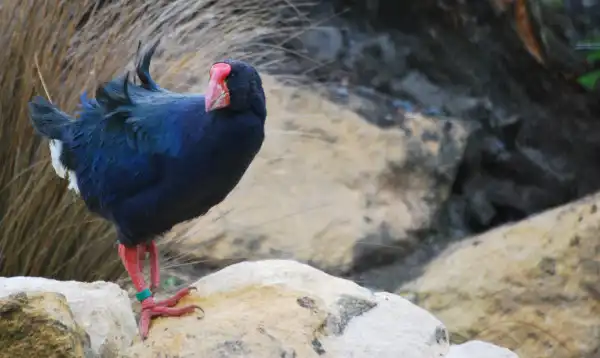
(150, 309)
(131, 260)
(154, 272)
(141, 256)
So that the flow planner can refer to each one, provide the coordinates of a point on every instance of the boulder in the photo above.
(40, 325)
(330, 189)
(533, 286)
(279, 308)
(324, 43)
(56, 316)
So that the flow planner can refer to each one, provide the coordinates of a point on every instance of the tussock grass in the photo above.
(45, 231)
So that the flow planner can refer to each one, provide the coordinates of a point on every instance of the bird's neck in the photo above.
(259, 109)
(258, 104)
(256, 107)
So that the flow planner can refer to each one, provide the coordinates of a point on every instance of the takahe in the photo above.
(146, 158)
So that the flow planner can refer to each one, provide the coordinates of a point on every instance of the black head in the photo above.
(234, 86)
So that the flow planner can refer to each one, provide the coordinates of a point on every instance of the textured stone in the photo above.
(101, 309)
(40, 325)
(279, 308)
(533, 286)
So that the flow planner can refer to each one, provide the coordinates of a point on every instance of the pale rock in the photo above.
(532, 286)
(102, 309)
(479, 349)
(279, 308)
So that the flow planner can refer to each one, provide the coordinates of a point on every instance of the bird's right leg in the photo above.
(131, 258)
(142, 250)
(150, 309)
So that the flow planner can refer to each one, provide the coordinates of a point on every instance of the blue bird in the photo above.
(145, 158)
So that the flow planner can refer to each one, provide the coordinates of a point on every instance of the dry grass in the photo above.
(43, 230)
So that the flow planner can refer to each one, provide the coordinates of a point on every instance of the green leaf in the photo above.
(593, 57)
(589, 80)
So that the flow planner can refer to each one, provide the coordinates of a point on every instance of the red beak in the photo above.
(217, 94)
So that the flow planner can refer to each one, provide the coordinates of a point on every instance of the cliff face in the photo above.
(508, 66)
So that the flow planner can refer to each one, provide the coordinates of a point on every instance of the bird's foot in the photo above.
(151, 309)
(173, 300)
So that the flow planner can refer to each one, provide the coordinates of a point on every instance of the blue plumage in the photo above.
(146, 158)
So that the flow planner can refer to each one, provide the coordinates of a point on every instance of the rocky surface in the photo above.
(48, 318)
(331, 189)
(279, 308)
(533, 287)
(263, 309)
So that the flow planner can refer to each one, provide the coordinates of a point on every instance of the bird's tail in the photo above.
(47, 119)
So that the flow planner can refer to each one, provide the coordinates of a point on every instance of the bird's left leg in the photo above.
(154, 272)
(155, 278)
(150, 309)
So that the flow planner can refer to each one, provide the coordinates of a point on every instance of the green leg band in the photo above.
(142, 295)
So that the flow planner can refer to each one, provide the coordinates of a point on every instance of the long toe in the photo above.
(172, 301)
(151, 312)
(173, 311)
(144, 324)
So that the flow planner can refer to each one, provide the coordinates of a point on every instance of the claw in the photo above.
(200, 308)
(151, 309)
(149, 313)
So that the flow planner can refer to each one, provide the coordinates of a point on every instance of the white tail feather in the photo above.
(56, 148)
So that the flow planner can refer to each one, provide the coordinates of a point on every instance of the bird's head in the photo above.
(234, 85)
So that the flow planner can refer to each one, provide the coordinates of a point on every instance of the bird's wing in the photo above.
(147, 115)
(143, 68)
(108, 169)
(152, 121)
(127, 134)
